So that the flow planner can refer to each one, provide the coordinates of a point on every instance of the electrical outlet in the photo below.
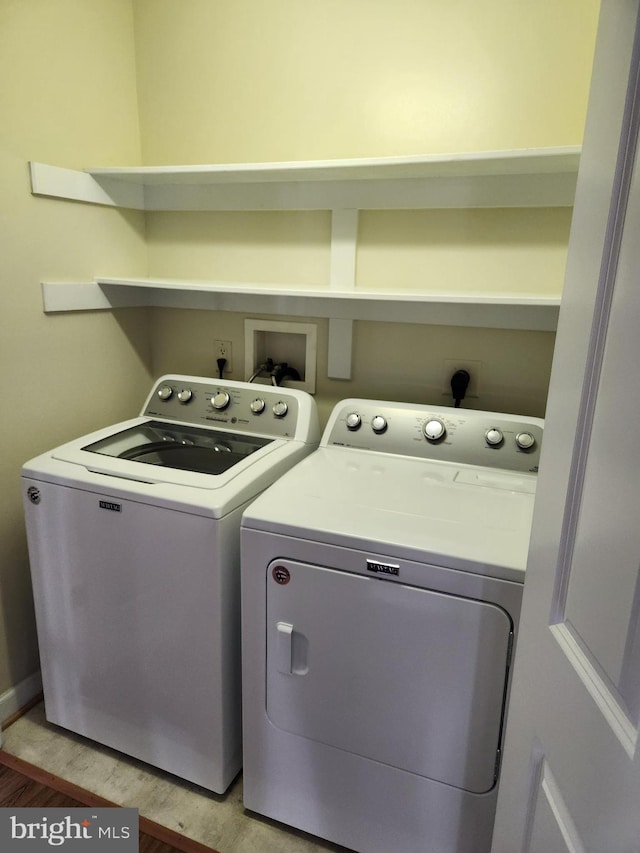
(473, 368)
(222, 349)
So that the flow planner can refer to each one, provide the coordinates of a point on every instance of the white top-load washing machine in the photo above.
(381, 587)
(134, 537)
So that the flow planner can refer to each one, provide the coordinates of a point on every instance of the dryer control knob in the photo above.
(164, 392)
(525, 440)
(280, 409)
(220, 400)
(379, 424)
(354, 421)
(185, 395)
(257, 406)
(494, 437)
(434, 430)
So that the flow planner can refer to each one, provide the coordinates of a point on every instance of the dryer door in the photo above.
(409, 677)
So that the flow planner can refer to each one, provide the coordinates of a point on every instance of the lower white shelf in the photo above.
(487, 311)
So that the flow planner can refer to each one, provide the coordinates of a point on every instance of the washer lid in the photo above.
(128, 455)
(186, 448)
(466, 517)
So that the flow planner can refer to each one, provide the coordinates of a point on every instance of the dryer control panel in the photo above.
(276, 412)
(465, 436)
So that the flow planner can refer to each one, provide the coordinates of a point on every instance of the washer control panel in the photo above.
(237, 406)
(466, 436)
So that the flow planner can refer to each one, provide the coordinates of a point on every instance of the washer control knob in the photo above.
(280, 409)
(525, 440)
(354, 421)
(164, 392)
(185, 395)
(494, 437)
(220, 400)
(379, 424)
(257, 406)
(434, 430)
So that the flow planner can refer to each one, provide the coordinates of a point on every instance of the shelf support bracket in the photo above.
(344, 241)
(89, 296)
(71, 184)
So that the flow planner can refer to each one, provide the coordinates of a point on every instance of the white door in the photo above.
(571, 771)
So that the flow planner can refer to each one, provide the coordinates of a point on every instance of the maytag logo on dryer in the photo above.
(383, 568)
(114, 507)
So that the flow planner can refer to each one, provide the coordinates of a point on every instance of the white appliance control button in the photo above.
(354, 421)
(257, 406)
(220, 400)
(164, 392)
(434, 430)
(494, 437)
(280, 409)
(525, 440)
(185, 395)
(379, 424)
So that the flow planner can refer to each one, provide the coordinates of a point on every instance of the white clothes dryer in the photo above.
(134, 538)
(381, 588)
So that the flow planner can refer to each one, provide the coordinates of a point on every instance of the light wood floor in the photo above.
(191, 814)
(24, 786)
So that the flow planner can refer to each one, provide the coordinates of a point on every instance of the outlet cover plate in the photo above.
(224, 349)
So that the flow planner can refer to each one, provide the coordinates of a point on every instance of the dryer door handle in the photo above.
(284, 648)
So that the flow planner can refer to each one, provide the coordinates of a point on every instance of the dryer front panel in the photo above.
(409, 677)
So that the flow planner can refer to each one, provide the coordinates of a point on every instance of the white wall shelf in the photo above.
(530, 177)
(488, 311)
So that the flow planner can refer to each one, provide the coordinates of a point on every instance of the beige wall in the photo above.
(67, 97)
(517, 251)
(185, 338)
(236, 80)
(240, 80)
(110, 82)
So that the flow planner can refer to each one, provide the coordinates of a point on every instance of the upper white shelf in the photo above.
(529, 177)
(501, 311)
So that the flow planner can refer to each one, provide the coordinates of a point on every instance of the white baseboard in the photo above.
(19, 695)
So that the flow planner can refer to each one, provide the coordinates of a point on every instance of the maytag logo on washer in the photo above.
(383, 568)
(110, 505)
(113, 830)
